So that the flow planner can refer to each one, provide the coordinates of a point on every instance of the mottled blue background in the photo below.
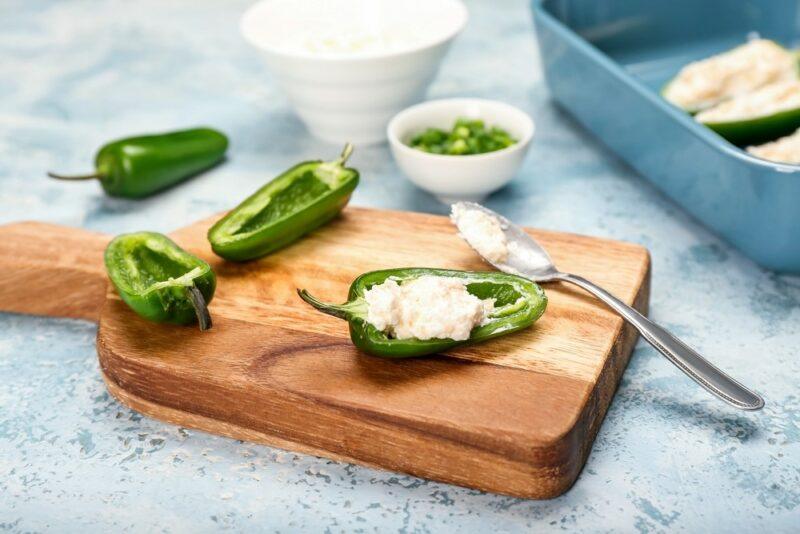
(668, 457)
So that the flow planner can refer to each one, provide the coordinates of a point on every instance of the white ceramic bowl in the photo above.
(347, 66)
(454, 178)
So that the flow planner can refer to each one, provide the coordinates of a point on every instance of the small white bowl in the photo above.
(454, 178)
(347, 66)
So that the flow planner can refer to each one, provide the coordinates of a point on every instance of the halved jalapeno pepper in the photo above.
(159, 280)
(757, 117)
(298, 201)
(703, 84)
(518, 303)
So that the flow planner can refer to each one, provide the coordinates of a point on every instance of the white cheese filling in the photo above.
(482, 231)
(344, 42)
(769, 100)
(428, 307)
(705, 83)
(784, 150)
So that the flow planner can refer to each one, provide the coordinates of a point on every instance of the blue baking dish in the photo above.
(606, 60)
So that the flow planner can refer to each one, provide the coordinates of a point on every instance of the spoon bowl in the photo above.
(525, 256)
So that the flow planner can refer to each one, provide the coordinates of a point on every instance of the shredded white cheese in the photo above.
(784, 150)
(343, 42)
(428, 307)
(705, 83)
(769, 100)
(483, 232)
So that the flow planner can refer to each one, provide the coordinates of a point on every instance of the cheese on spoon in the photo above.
(482, 231)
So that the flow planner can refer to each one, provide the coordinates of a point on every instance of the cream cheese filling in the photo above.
(784, 150)
(705, 83)
(428, 307)
(769, 100)
(483, 232)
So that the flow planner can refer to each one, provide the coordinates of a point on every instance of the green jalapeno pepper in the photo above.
(159, 280)
(467, 137)
(518, 303)
(136, 167)
(756, 128)
(298, 201)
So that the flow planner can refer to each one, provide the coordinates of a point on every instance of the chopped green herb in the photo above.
(467, 137)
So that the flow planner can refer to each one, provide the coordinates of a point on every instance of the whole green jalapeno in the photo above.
(136, 167)
(518, 303)
(159, 280)
(298, 201)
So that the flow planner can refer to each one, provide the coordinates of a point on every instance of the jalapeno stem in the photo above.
(336, 311)
(200, 307)
(95, 176)
(345, 155)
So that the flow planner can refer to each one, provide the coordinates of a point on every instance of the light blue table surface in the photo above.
(668, 457)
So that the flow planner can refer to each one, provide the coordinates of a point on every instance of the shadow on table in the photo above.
(720, 421)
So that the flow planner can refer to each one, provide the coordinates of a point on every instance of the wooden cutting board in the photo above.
(516, 415)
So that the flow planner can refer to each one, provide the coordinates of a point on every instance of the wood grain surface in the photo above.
(516, 415)
(46, 269)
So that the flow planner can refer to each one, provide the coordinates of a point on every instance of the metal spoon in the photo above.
(528, 259)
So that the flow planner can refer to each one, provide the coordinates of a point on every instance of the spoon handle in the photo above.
(685, 358)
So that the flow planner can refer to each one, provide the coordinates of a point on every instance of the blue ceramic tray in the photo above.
(606, 60)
